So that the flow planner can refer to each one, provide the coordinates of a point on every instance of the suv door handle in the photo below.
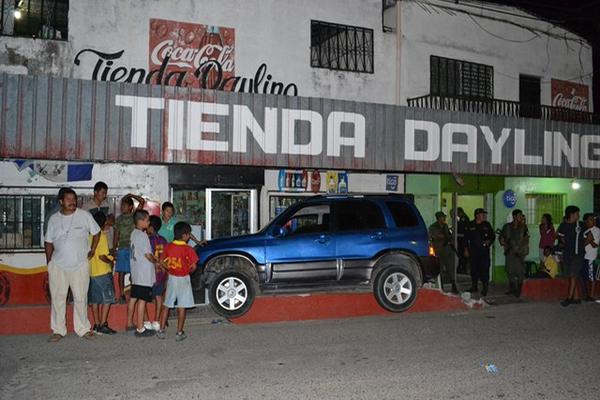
(323, 239)
(377, 236)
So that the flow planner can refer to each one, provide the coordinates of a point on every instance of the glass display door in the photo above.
(230, 212)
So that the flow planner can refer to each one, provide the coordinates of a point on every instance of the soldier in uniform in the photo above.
(515, 240)
(461, 225)
(479, 236)
(441, 239)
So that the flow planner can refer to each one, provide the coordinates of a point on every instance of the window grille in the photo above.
(24, 218)
(341, 47)
(43, 19)
(21, 222)
(456, 78)
(539, 204)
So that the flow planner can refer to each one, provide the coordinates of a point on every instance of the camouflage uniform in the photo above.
(516, 247)
(441, 240)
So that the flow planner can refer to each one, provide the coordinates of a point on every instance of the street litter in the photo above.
(491, 368)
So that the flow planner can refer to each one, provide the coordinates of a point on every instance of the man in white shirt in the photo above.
(67, 254)
(590, 270)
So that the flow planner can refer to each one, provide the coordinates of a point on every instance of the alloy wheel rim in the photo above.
(232, 293)
(397, 288)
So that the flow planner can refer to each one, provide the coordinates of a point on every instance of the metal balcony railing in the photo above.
(505, 108)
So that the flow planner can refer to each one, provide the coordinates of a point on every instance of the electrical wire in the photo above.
(535, 35)
(519, 25)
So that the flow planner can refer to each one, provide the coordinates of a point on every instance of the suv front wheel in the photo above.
(395, 288)
(231, 293)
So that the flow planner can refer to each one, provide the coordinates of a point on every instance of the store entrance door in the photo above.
(469, 203)
(231, 212)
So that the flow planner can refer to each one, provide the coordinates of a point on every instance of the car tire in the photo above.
(231, 293)
(395, 288)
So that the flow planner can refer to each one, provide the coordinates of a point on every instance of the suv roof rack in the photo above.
(404, 196)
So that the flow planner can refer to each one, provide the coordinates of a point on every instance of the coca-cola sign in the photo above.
(570, 95)
(186, 55)
(192, 47)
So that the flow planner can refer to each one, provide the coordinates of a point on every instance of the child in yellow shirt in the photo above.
(101, 293)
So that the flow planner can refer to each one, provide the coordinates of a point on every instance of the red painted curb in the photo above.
(279, 308)
(36, 319)
(26, 320)
(545, 289)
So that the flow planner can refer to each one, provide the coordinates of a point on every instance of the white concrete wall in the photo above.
(149, 181)
(274, 32)
(509, 49)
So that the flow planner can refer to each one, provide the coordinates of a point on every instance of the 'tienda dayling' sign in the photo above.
(102, 121)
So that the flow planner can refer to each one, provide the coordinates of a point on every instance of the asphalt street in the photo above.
(541, 351)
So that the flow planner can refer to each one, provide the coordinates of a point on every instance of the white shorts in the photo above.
(179, 292)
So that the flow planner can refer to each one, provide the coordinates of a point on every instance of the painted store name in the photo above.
(209, 73)
(188, 128)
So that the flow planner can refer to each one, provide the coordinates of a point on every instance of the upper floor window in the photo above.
(341, 47)
(457, 78)
(43, 19)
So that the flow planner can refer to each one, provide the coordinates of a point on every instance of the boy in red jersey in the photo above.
(179, 260)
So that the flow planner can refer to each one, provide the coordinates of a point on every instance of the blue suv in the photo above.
(328, 241)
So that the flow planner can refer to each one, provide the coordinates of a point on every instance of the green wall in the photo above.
(428, 198)
(582, 198)
(426, 189)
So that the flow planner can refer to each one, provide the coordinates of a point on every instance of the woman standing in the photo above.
(547, 235)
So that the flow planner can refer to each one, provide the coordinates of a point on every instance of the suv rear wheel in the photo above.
(231, 293)
(395, 288)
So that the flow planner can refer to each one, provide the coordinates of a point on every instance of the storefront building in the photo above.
(234, 113)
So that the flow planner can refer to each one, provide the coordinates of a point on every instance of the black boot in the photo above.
(484, 291)
(473, 288)
(511, 288)
(518, 287)
(454, 288)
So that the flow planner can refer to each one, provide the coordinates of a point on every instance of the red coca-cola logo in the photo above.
(185, 57)
(574, 102)
(571, 95)
(186, 47)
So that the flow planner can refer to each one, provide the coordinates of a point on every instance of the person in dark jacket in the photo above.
(480, 236)
(570, 235)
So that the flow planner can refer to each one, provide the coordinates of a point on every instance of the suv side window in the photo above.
(358, 216)
(403, 214)
(309, 219)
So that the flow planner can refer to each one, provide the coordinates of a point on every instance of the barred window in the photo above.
(43, 19)
(341, 47)
(539, 204)
(456, 78)
(24, 218)
(21, 223)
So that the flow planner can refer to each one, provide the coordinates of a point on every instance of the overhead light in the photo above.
(575, 185)
(17, 14)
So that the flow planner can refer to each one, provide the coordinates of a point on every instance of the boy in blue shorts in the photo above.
(179, 260)
(101, 292)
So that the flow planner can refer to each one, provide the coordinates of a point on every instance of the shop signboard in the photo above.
(79, 120)
(571, 95)
(391, 183)
(509, 198)
(186, 48)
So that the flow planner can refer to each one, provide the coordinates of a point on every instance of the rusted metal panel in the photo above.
(68, 119)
